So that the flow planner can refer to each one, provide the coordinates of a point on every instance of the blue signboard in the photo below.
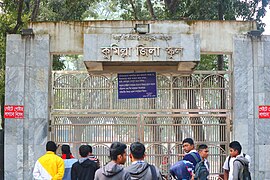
(137, 85)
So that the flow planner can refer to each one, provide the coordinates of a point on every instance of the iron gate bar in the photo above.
(87, 105)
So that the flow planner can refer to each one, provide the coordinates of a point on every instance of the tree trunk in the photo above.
(19, 22)
(151, 9)
(35, 10)
(171, 5)
(134, 9)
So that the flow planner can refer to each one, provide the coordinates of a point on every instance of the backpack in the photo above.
(201, 172)
(197, 159)
(245, 172)
(230, 159)
(153, 172)
(182, 170)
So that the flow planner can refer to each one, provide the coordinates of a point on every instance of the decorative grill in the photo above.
(86, 110)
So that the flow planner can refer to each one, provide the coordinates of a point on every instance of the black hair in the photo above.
(189, 141)
(90, 148)
(116, 149)
(235, 145)
(137, 149)
(202, 146)
(51, 146)
(66, 150)
(84, 150)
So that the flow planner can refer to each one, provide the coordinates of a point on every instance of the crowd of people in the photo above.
(193, 166)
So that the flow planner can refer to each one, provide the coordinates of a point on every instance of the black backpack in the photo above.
(245, 171)
(201, 172)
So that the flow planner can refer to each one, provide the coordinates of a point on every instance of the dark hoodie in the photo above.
(83, 169)
(142, 171)
(112, 171)
(238, 167)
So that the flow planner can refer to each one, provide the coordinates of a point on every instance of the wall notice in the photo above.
(14, 112)
(137, 85)
(264, 112)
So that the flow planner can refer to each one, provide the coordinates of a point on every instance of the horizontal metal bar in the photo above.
(140, 110)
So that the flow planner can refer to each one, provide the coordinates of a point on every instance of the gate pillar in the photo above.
(27, 80)
(251, 89)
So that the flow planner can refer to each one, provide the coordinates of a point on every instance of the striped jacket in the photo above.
(49, 166)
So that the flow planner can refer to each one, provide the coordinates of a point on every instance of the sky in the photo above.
(266, 20)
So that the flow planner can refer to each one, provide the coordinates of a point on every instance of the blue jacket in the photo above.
(193, 157)
(68, 165)
(182, 170)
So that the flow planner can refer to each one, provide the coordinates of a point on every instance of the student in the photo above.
(84, 168)
(69, 160)
(92, 157)
(202, 168)
(114, 170)
(184, 169)
(235, 152)
(139, 169)
(191, 154)
(49, 166)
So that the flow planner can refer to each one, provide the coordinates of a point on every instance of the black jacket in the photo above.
(84, 169)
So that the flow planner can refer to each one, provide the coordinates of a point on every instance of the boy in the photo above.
(191, 154)
(139, 169)
(84, 168)
(202, 168)
(235, 152)
(114, 170)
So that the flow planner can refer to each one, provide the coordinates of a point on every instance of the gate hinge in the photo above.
(50, 128)
(231, 125)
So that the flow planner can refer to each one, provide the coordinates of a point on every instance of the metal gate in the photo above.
(86, 109)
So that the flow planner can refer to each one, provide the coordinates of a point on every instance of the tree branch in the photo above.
(171, 5)
(35, 10)
(151, 9)
(19, 17)
(134, 9)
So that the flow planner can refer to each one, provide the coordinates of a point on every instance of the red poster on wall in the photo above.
(264, 112)
(14, 112)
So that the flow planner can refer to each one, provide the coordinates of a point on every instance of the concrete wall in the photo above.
(27, 84)
(251, 89)
(215, 36)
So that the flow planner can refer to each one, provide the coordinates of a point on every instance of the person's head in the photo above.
(188, 145)
(137, 151)
(118, 152)
(66, 150)
(203, 151)
(84, 150)
(235, 148)
(90, 149)
(51, 146)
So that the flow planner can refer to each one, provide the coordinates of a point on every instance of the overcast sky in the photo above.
(266, 20)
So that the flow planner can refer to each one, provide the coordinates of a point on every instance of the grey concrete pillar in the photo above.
(27, 83)
(251, 58)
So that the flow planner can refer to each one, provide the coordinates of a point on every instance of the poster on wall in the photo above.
(137, 85)
(13, 112)
(264, 112)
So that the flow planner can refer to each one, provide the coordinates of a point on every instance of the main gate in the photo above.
(86, 110)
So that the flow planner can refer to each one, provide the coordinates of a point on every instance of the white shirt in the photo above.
(225, 165)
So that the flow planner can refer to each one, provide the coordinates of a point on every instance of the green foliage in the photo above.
(65, 10)
(58, 64)
(210, 62)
